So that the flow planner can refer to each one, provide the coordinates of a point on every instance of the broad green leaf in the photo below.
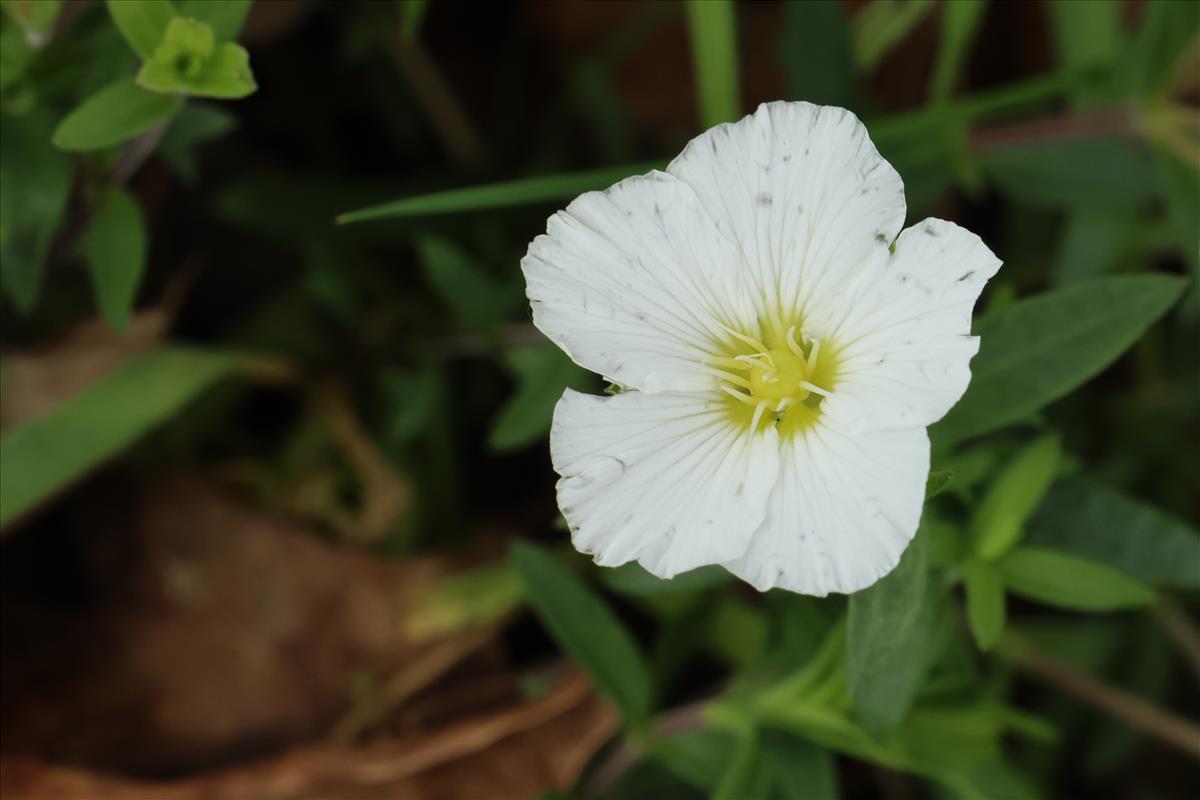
(816, 53)
(117, 113)
(959, 23)
(476, 300)
(698, 756)
(588, 631)
(37, 181)
(883, 24)
(542, 374)
(985, 603)
(143, 23)
(525, 191)
(1087, 518)
(1110, 174)
(115, 248)
(36, 17)
(196, 124)
(47, 454)
(1034, 351)
(224, 16)
(413, 398)
(1061, 579)
(190, 61)
(1091, 243)
(712, 27)
(797, 769)
(999, 520)
(887, 641)
(937, 481)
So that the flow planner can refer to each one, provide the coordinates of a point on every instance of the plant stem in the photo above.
(1180, 630)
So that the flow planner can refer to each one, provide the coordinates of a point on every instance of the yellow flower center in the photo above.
(781, 383)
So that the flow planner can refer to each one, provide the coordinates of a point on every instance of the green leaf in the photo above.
(887, 641)
(117, 113)
(938, 480)
(196, 124)
(1060, 579)
(190, 61)
(36, 17)
(816, 53)
(225, 17)
(115, 248)
(542, 374)
(633, 579)
(797, 769)
(37, 182)
(412, 17)
(43, 456)
(1034, 351)
(1179, 184)
(744, 775)
(999, 520)
(1088, 34)
(882, 25)
(588, 631)
(525, 191)
(1087, 518)
(1167, 27)
(1110, 173)
(960, 22)
(15, 55)
(985, 603)
(476, 300)
(143, 23)
(698, 756)
(712, 27)
(414, 398)
(1091, 243)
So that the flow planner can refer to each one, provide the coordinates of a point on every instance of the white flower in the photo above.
(780, 352)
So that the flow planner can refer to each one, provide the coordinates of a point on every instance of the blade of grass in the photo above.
(712, 25)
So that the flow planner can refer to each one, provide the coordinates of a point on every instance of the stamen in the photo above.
(731, 363)
(812, 356)
(736, 395)
(793, 345)
(784, 403)
(812, 387)
(736, 380)
(752, 360)
(750, 340)
(758, 412)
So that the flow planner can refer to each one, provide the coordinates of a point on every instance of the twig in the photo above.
(1113, 120)
(1133, 710)
(1179, 629)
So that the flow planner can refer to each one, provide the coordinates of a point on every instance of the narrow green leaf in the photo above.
(1112, 174)
(143, 23)
(633, 579)
(698, 757)
(1088, 34)
(1087, 518)
(1179, 185)
(985, 603)
(1166, 28)
(37, 181)
(226, 17)
(938, 480)
(53, 451)
(525, 191)
(999, 520)
(115, 248)
(36, 17)
(1091, 243)
(542, 374)
(816, 53)
(412, 16)
(712, 26)
(882, 25)
(960, 22)
(745, 774)
(1034, 351)
(587, 630)
(117, 113)
(476, 300)
(15, 56)
(888, 639)
(797, 769)
(1060, 579)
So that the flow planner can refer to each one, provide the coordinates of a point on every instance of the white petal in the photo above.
(635, 283)
(807, 198)
(663, 479)
(905, 349)
(843, 510)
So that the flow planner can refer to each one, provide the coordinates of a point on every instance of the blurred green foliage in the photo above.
(1064, 483)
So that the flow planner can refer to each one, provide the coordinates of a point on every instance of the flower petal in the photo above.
(807, 198)
(904, 351)
(665, 479)
(842, 512)
(635, 283)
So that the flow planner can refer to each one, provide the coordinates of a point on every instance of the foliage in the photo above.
(336, 243)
